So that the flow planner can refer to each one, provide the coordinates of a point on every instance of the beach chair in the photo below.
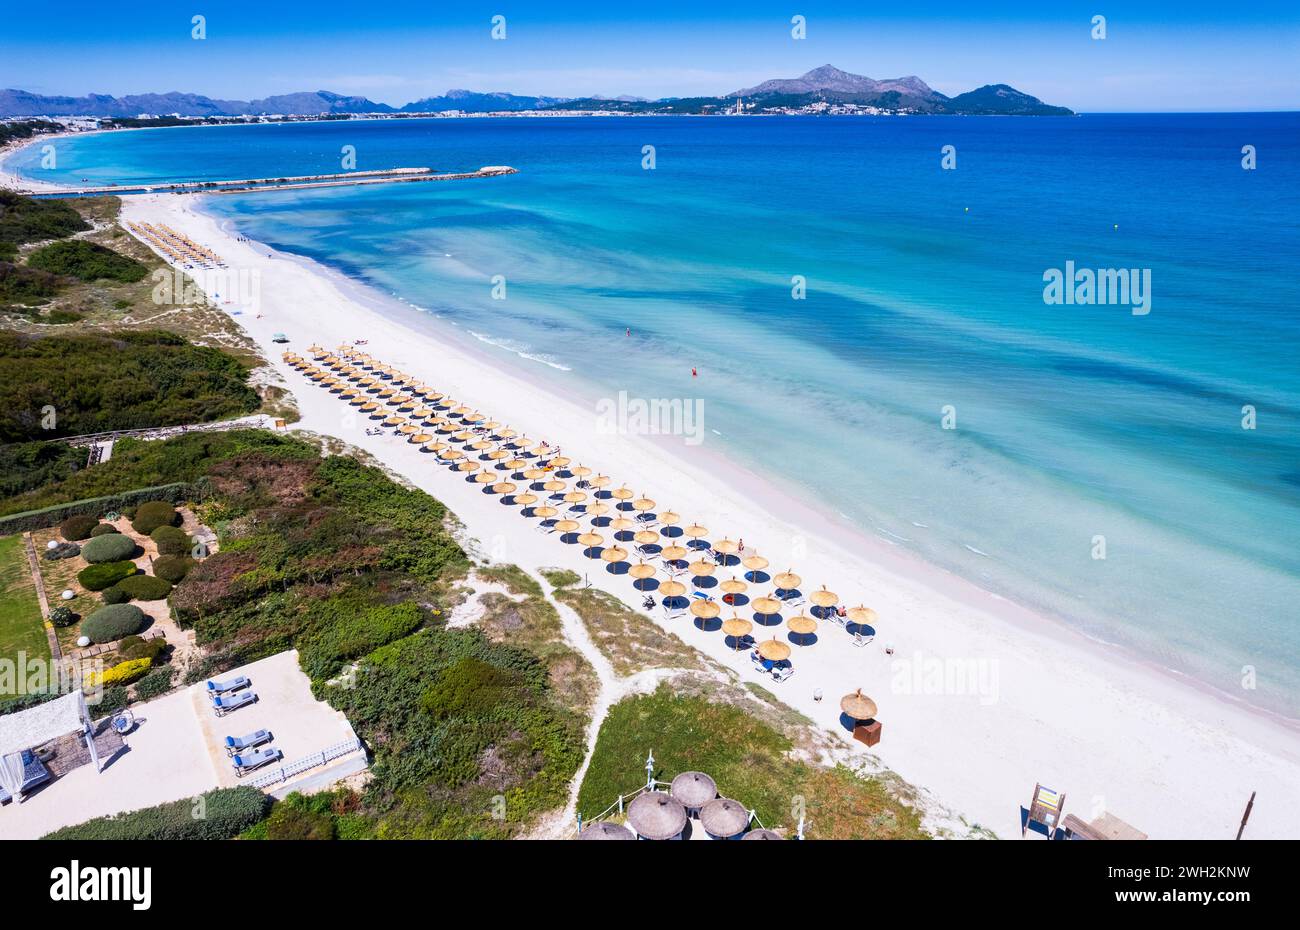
(860, 640)
(224, 705)
(781, 674)
(230, 684)
(235, 744)
(246, 762)
(836, 619)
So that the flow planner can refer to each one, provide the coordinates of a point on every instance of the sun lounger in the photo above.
(224, 705)
(860, 640)
(236, 744)
(781, 674)
(246, 762)
(230, 684)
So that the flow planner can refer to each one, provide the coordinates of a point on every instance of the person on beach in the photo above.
(740, 546)
(694, 373)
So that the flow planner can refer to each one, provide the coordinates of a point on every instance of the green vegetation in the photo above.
(111, 547)
(88, 261)
(63, 616)
(170, 540)
(627, 638)
(173, 568)
(21, 629)
(111, 623)
(26, 219)
(78, 526)
(23, 287)
(157, 682)
(28, 465)
(101, 382)
(153, 515)
(144, 588)
(221, 815)
(751, 760)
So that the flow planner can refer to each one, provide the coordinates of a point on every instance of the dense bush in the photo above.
(171, 540)
(21, 286)
(27, 219)
(79, 526)
(86, 260)
(123, 673)
(145, 587)
(297, 821)
(226, 812)
(113, 547)
(111, 623)
(104, 575)
(65, 550)
(157, 682)
(28, 465)
(350, 632)
(151, 515)
(103, 529)
(173, 568)
(111, 700)
(62, 616)
(114, 595)
(137, 647)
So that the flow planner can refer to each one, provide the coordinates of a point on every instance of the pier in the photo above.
(302, 182)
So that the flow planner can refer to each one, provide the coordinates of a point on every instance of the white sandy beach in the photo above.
(1115, 734)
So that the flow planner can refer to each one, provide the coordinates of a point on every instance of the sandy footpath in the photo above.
(981, 698)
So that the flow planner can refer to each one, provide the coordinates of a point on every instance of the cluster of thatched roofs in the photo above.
(670, 815)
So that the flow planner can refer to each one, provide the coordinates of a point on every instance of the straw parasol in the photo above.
(525, 499)
(614, 554)
(760, 835)
(705, 610)
(503, 487)
(646, 538)
(580, 471)
(643, 504)
(673, 553)
(668, 518)
(787, 580)
(801, 625)
(766, 605)
(824, 598)
(736, 628)
(693, 789)
(858, 706)
(774, 650)
(696, 531)
(672, 589)
(860, 615)
(723, 817)
(532, 474)
(466, 466)
(733, 586)
(597, 509)
(621, 523)
(567, 526)
(701, 568)
(545, 512)
(639, 571)
(755, 563)
(420, 438)
(622, 493)
(574, 497)
(605, 830)
(485, 477)
(599, 481)
(726, 546)
(555, 484)
(559, 461)
(655, 815)
(591, 540)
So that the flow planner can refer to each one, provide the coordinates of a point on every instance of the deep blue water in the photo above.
(924, 290)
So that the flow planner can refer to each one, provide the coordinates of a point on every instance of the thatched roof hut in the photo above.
(605, 830)
(762, 835)
(656, 816)
(724, 818)
(694, 790)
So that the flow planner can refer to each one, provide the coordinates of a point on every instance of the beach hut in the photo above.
(655, 815)
(694, 790)
(861, 711)
(724, 819)
(604, 830)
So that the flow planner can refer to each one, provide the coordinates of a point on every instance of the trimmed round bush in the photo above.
(173, 567)
(137, 647)
(150, 516)
(79, 526)
(145, 587)
(113, 547)
(65, 550)
(104, 575)
(62, 616)
(171, 540)
(111, 623)
(114, 595)
(103, 529)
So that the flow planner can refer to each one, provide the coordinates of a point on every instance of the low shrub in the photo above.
(157, 682)
(137, 647)
(113, 547)
(227, 812)
(109, 624)
(79, 526)
(62, 616)
(86, 260)
(103, 529)
(114, 595)
(65, 550)
(123, 673)
(297, 821)
(104, 575)
(171, 540)
(145, 587)
(173, 567)
(111, 700)
(153, 514)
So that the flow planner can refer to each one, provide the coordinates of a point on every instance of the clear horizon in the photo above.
(1157, 57)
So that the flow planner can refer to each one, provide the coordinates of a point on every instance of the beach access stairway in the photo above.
(276, 780)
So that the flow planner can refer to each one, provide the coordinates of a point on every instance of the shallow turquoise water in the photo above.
(924, 290)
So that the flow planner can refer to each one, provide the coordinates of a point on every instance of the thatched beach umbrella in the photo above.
(575, 497)
(787, 580)
(858, 706)
(643, 504)
(863, 616)
(646, 538)
(592, 540)
(705, 610)
(580, 471)
(555, 484)
(726, 546)
(618, 524)
(485, 478)
(673, 553)
(693, 790)
(525, 499)
(724, 818)
(701, 568)
(497, 455)
(655, 815)
(622, 493)
(736, 628)
(762, 835)
(596, 509)
(614, 554)
(450, 455)
(802, 626)
(532, 474)
(754, 563)
(503, 487)
(824, 598)
(466, 466)
(545, 512)
(604, 830)
(434, 446)
(765, 605)
(668, 518)
(599, 481)
(407, 429)
(567, 526)
(774, 650)
(393, 421)
(420, 438)
(640, 571)
(558, 461)
(695, 531)
(733, 586)
(672, 589)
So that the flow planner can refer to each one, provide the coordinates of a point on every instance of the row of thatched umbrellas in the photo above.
(372, 387)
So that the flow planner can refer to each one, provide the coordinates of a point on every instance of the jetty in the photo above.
(301, 182)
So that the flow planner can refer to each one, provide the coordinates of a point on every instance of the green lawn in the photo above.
(21, 626)
(749, 759)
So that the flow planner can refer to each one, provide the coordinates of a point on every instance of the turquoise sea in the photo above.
(924, 292)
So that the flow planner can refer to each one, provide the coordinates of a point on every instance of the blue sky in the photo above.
(1157, 55)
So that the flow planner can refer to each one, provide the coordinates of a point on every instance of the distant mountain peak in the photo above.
(833, 80)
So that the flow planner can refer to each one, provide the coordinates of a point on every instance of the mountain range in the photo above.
(826, 84)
